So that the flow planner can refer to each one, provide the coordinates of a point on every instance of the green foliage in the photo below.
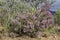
(57, 17)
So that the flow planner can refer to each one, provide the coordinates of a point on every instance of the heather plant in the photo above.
(21, 17)
(30, 24)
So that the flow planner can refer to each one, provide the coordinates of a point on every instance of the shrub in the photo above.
(30, 23)
(21, 19)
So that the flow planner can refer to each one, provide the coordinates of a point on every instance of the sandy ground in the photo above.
(52, 37)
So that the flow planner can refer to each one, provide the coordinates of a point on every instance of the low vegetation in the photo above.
(19, 18)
